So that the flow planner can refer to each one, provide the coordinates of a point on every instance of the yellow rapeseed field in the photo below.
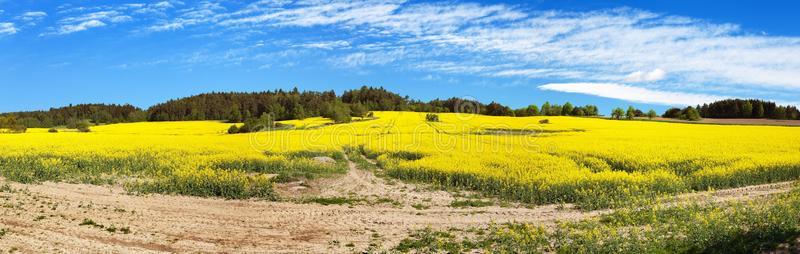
(594, 162)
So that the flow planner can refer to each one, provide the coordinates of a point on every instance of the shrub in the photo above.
(265, 122)
(617, 113)
(84, 129)
(651, 114)
(19, 128)
(432, 117)
(631, 113)
(233, 129)
(672, 113)
(690, 114)
(544, 121)
(52, 130)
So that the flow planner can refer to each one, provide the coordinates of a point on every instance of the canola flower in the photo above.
(594, 162)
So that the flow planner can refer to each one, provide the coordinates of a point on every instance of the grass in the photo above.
(732, 227)
(470, 203)
(334, 201)
(90, 222)
(420, 206)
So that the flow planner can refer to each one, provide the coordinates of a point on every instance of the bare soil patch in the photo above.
(47, 217)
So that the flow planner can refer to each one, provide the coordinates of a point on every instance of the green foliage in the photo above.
(617, 113)
(690, 114)
(432, 117)
(470, 203)
(496, 109)
(18, 128)
(338, 112)
(98, 113)
(233, 129)
(232, 184)
(651, 114)
(264, 123)
(358, 110)
(334, 201)
(630, 113)
(646, 227)
(738, 108)
(52, 130)
(430, 241)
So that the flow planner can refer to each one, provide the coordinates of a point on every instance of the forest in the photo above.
(279, 105)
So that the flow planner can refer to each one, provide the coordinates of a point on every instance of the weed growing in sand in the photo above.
(334, 201)
(470, 203)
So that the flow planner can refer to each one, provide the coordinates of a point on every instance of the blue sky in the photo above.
(650, 54)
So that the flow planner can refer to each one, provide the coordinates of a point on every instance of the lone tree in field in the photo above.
(651, 114)
(617, 113)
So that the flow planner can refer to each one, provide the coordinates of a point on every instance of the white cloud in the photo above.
(640, 76)
(89, 20)
(204, 13)
(326, 45)
(68, 29)
(599, 46)
(633, 94)
(32, 16)
(631, 46)
(7, 28)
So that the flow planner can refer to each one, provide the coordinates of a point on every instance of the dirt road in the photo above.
(70, 218)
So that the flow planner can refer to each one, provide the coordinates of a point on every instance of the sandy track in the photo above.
(46, 218)
(160, 223)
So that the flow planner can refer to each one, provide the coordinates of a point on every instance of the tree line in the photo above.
(284, 105)
(735, 108)
(751, 108)
(96, 113)
(280, 105)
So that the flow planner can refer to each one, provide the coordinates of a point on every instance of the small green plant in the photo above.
(233, 129)
(470, 203)
(432, 117)
(90, 222)
(420, 206)
(333, 201)
(544, 121)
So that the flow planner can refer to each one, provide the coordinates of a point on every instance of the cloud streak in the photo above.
(7, 28)
(632, 94)
(642, 49)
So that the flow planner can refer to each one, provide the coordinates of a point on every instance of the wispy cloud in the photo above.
(32, 18)
(325, 45)
(89, 20)
(607, 45)
(204, 13)
(633, 94)
(640, 76)
(71, 28)
(640, 48)
(7, 28)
